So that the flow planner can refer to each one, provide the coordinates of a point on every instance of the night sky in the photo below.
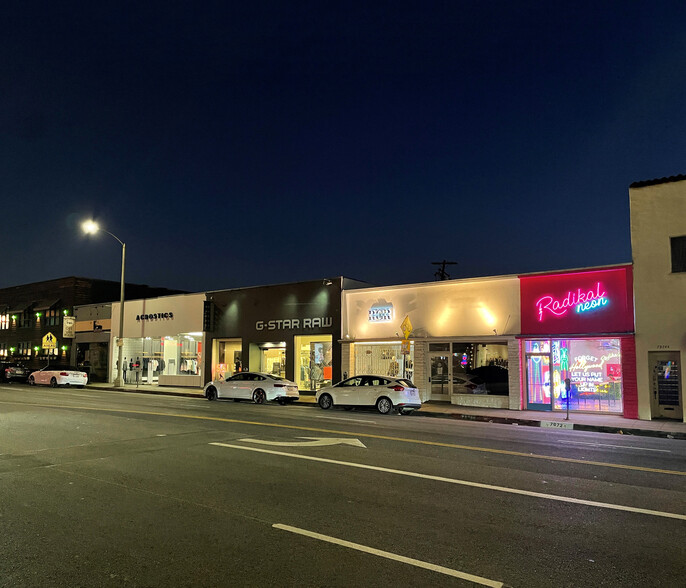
(242, 143)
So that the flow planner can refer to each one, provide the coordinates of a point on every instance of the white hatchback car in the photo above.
(253, 386)
(55, 375)
(383, 392)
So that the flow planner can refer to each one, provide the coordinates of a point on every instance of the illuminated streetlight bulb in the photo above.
(90, 227)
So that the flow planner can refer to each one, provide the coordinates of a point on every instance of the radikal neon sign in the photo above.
(581, 301)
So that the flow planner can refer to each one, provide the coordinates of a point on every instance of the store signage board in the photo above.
(597, 301)
(381, 313)
(68, 327)
(49, 341)
(317, 322)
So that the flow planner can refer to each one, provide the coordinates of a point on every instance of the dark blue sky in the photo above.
(245, 143)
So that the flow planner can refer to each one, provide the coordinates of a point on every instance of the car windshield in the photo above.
(407, 383)
(275, 377)
(56, 366)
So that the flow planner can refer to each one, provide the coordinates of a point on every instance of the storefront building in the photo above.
(461, 344)
(92, 333)
(290, 330)
(579, 326)
(658, 243)
(163, 341)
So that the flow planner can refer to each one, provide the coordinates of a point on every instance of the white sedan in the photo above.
(55, 375)
(383, 392)
(253, 386)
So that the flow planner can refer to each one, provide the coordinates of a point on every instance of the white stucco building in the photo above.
(658, 242)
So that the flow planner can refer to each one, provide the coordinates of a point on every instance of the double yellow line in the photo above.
(369, 436)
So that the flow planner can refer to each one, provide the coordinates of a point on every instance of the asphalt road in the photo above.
(103, 488)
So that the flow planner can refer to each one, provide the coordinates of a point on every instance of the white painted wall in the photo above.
(658, 212)
(451, 308)
(187, 310)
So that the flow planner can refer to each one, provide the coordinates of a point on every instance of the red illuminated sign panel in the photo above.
(597, 301)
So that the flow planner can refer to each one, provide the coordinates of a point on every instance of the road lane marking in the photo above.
(619, 446)
(388, 555)
(555, 497)
(346, 420)
(365, 435)
(313, 442)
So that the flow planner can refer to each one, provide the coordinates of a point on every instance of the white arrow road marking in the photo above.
(363, 466)
(388, 555)
(315, 442)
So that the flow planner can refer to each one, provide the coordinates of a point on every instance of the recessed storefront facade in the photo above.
(163, 343)
(461, 344)
(577, 342)
(289, 330)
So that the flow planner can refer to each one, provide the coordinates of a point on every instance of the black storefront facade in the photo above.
(292, 330)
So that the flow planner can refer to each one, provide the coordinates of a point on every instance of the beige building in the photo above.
(453, 327)
(658, 241)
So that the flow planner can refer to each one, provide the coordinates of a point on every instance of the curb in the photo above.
(557, 425)
(564, 425)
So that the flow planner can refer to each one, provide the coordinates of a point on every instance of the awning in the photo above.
(45, 304)
(19, 308)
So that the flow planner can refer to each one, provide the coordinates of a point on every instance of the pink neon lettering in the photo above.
(572, 299)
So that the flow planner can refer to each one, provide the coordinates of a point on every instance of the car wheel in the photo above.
(211, 393)
(259, 397)
(32, 382)
(53, 383)
(384, 405)
(325, 401)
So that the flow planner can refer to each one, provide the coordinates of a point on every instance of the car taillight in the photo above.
(279, 385)
(397, 388)
(64, 374)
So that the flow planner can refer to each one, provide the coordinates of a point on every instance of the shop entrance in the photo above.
(665, 384)
(273, 360)
(538, 396)
(227, 358)
(441, 376)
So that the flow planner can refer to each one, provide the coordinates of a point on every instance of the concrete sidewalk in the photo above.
(577, 421)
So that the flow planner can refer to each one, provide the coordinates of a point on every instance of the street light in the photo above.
(91, 227)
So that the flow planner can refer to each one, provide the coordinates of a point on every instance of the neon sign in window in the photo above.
(580, 300)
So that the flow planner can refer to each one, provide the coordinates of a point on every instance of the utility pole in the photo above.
(440, 273)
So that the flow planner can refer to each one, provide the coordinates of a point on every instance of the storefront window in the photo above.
(313, 361)
(227, 358)
(147, 358)
(593, 367)
(469, 368)
(384, 359)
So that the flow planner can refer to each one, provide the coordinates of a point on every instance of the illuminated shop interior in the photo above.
(593, 366)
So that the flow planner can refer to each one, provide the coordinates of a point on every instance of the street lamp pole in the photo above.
(92, 227)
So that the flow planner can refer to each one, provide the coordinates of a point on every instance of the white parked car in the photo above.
(253, 386)
(384, 392)
(57, 375)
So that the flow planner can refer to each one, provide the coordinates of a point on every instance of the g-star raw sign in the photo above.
(284, 324)
(584, 302)
(155, 316)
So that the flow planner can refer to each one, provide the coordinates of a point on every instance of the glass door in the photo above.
(538, 363)
(440, 376)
